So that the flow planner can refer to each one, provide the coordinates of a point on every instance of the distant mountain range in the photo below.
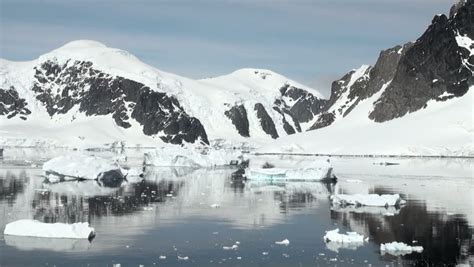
(85, 93)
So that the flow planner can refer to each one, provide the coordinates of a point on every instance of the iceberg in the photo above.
(36, 228)
(335, 241)
(399, 249)
(190, 157)
(372, 200)
(79, 166)
(289, 170)
(28, 243)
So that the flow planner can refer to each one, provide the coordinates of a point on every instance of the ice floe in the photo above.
(335, 241)
(36, 228)
(284, 242)
(28, 243)
(80, 166)
(190, 157)
(373, 200)
(315, 170)
(399, 249)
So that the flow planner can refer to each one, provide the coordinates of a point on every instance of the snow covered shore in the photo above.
(36, 228)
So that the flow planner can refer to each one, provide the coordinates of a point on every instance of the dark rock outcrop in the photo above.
(266, 121)
(61, 87)
(238, 115)
(433, 66)
(324, 120)
(11, 104)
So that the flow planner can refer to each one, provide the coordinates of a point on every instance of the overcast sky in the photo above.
(313, 42)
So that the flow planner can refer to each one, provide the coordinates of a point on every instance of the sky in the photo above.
(313, 42)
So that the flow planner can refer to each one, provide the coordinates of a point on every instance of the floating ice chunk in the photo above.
(51, 230)
(233, 247)
(162, 257)
(189, 157)
(353, 181)
(215, 206)
(318, 171)
(28, 243)
(183, 258)
(373, 200)
(285, 242)
(383, 211)
(79, 166)
(350, 237)
(399, 249)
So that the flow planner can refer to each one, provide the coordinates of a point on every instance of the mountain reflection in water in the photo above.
(168, 198)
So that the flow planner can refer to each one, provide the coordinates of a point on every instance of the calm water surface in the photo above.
(172, 213)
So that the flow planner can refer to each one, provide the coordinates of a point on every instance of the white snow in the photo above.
(466, 42)
(206, 99)
(399, 248)
(372, 200)
(284, 242)
(51, 230)
(190, 157)
(79, 165)
(411, 135)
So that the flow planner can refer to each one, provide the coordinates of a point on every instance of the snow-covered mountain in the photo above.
(416, 100)
(85, 92)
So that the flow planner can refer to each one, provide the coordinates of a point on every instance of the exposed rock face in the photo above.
(325, 119)
(297, 106)
(61, 87)
(11, 104)
(434, 67)
(266, 121)
(238, 115)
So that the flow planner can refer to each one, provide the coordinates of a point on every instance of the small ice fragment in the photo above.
(285, 255)
(185, 258)
(215, 233)
(214, 206)
(162, 257)
(399, 249)
(333, 259)
(353, 181)
(285, 242)
(148, 208)
(389, 214)
(233, 247)
(239, 258)
(237, 242)
(127, 246)
(265, 253)
(169, 195)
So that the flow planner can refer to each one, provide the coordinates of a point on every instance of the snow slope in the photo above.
(440, 129)
(206, 99)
